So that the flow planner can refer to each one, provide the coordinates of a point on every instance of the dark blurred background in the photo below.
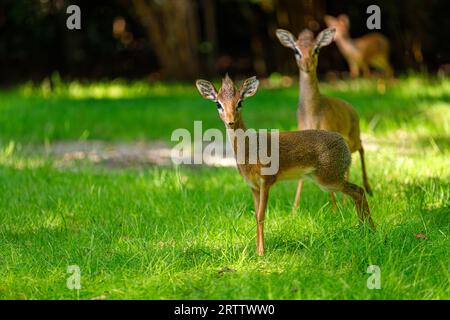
(184, 39)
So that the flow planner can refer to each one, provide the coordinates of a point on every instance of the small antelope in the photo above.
(371, 49)
(324, 156)
(316, 111)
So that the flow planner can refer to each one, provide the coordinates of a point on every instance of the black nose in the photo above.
(230, 123)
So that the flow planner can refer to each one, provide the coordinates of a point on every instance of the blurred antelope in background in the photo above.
(324, 156)
(370, 50)
(316, 111)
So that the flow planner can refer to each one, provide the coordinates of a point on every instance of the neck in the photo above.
(309, 90)
(240, 124)
(233, 138)
(345, 44)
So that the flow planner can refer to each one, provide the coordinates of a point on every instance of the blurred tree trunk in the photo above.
(210, 47)
(172, 28)
(256, 45)
(414, 35)
(296, 16)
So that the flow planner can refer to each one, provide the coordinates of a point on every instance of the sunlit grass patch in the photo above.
(117, 89)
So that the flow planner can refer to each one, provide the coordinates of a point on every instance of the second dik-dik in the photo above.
(370, 50)
(321, 155)
(316, 111)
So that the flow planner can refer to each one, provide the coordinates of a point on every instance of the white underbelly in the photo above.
(252, 183)
(295, 173)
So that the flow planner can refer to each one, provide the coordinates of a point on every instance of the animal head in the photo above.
(340, 23)
(305, 47)
(228, 99)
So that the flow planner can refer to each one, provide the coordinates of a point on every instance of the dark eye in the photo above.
(297, 52)
(239, 105)
(219, 106)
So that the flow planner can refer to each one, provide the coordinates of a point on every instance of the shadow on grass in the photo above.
(441, 142)
(430, 201)
(437, 218)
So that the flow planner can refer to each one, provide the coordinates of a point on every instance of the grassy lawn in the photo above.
(163, 232)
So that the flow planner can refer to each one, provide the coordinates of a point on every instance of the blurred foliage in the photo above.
(173, 39)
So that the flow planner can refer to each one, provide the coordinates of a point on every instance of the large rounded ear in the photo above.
(324, 38)
(344, 19)
(286, 38)
(206, 89)
(329, 20)
(249, 87)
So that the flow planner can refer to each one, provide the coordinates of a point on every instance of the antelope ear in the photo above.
(286, 38)
(206, 89)
(249, 87)
(329, 20)
(344, 18)
(324, 38)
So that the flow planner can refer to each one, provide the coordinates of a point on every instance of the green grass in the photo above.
(161, 232)
(123, 111)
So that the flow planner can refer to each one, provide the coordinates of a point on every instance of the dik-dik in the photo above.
(321, 155)
(370, 50)
(316, 111)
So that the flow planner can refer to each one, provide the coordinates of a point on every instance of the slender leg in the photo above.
(363, 167)
(389, 72)
(354, 70)
(333, 200)
(297, 195)
(263, 196)
(359, 197)
(366, 71)
(382, 62)
(255, 193)
(347, 175)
